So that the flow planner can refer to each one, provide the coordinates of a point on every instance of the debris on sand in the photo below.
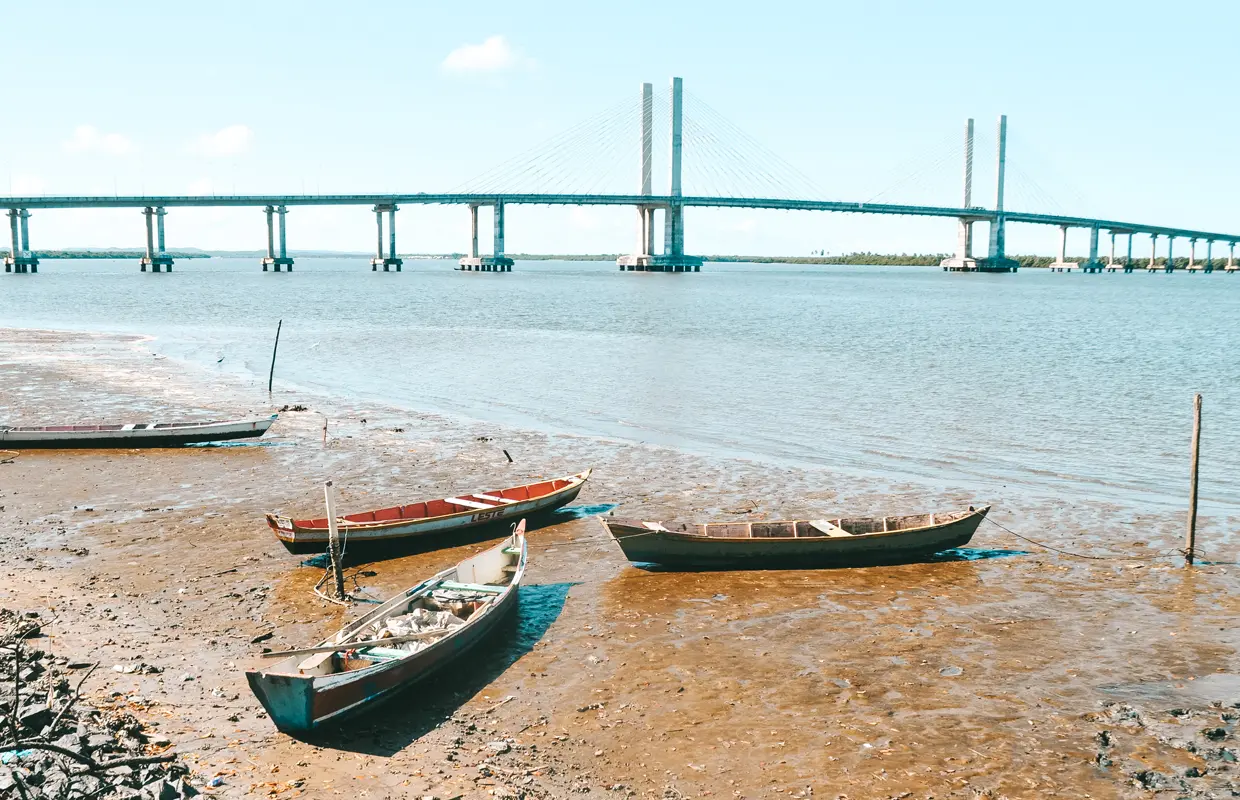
(57, 747)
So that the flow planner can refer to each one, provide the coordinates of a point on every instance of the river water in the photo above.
(1067, 386)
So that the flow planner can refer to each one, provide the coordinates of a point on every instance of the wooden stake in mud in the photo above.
(333, 540)
(1191, 541)
(271, 375)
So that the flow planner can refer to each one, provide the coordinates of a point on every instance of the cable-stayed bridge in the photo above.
(727, 169)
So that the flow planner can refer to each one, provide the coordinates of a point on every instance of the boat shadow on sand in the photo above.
(357, 553)
(941, 557)
(394, 725)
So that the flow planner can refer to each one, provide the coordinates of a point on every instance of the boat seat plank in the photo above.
(494, 498)
(829, 528)
(512, 551)
(467, 503)
(128, 427)
(471, 587)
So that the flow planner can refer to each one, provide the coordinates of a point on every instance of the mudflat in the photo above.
(1004, 671)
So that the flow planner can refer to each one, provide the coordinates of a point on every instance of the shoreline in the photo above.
(727, 683)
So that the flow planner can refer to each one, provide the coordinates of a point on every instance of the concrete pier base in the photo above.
(275, 263)
(1063, 266)
(21, 265)
(674, 263)
(161, 262)
(388, 264)
(955, 264)
(486, 264)
(990, 264)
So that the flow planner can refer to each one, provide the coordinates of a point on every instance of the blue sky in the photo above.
(1116, 109)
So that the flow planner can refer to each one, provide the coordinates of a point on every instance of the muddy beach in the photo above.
(1004, 671)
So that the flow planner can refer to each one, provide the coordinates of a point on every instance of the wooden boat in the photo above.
(371, 659)
(430, 517)
(849, 541)
(141, 434)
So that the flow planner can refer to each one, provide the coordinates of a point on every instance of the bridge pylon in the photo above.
(389, 261)
(497, 261)
(673, 258)
(996, 258)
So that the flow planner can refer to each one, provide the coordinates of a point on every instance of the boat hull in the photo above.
(168, 437)
(303, 695)
(689, 551)
(300, 704)
(301, 540)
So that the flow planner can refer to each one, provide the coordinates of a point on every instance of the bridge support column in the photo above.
(1209, 265)
(640, 259)
(497, 261)
(1061, 264)
(156, 258)
(1153, 267)
(963, 261)
(390, 260)
(21, 259)
(1170, 265)
(274, 261)
(1128, 263)
(1193, 266)
(1111, 265)
(1231, 257)
(674, 258)
(996, 258)
(1093, 264)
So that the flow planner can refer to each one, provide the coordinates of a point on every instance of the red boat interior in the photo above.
(479, 501)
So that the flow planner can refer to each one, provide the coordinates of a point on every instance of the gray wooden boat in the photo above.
(847, 541)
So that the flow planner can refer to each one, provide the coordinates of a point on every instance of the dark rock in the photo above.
(1215, 734)
(34, 717)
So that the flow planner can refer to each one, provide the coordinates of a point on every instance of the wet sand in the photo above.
(1015, 672)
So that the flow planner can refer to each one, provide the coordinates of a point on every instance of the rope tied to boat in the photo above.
(1109, 557)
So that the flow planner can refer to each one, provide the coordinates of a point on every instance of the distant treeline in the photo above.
(113, 254)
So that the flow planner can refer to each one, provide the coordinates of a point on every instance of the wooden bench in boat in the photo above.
(504, 500)
(471, 587)
(460, 501)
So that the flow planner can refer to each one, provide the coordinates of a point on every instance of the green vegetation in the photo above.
(42, 254)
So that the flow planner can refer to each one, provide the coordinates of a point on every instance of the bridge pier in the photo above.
(640, 259)
(1231, 258)
(996, 258)
(1193, 266)
(1061, 264)
(390, 260)
(1152, 267)
(1093, 264)
(674, 258)
(20, 260)
(497, 261)
(963, 261)
(1111, 265)
(275, 262)
(156, 258)
(1209, 256)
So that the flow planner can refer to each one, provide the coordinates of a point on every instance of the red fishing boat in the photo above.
(430, 517)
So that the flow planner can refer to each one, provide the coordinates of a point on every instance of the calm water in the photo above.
(1064, 385)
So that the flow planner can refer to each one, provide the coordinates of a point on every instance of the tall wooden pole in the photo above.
(333, 540)
(1192, 488)
(271, 375)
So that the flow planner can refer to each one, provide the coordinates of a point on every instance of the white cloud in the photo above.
(89, 139)
(230, 141)
(493, 55)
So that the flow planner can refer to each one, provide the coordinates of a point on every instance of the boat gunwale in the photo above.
(286, 527)
(663, 532)
(117, 430)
